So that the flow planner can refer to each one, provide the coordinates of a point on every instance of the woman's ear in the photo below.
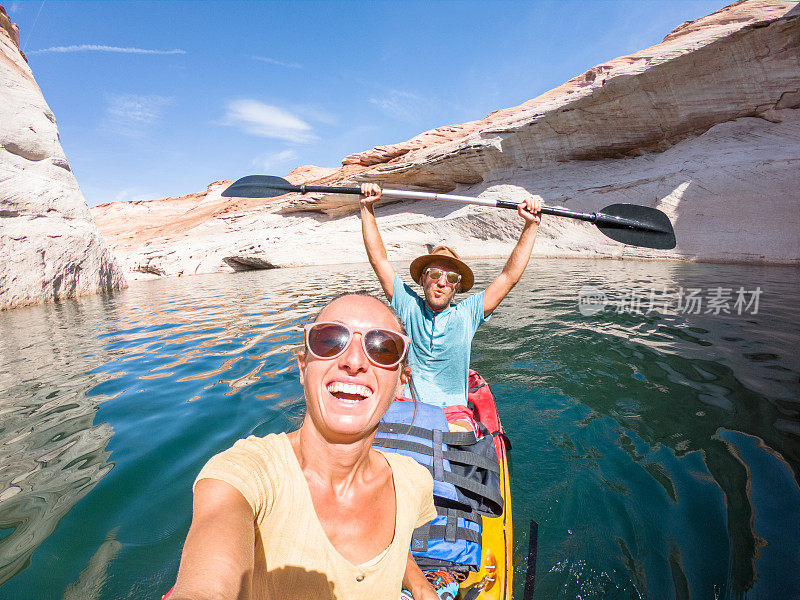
(405, 377)
(301, 365)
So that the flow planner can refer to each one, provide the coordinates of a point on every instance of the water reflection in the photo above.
(662, 386)
(51, 451)
(89, 585)
(659, 452)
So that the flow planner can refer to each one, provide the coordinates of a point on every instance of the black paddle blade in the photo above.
(637, 226)
(259, 186)
(530, 571)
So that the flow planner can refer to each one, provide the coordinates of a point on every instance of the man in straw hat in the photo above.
(442, 332)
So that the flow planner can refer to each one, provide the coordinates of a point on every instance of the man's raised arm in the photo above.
(530, 210)
(370, 194)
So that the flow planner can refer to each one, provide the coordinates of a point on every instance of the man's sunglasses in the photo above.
(383, 347)
(436, 274)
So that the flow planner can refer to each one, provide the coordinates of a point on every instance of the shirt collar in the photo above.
(430, 313)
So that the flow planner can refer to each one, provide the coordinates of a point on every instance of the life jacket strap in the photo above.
(490, 498)
(454, 513)
(435, 564)
(449, 532)
(459, 456)
(436, 448)
(489, 494)
(445, 532)
(453, 438)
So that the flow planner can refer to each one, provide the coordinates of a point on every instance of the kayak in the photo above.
(495, 578)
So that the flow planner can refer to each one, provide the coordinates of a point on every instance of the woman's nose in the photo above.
(353, 359)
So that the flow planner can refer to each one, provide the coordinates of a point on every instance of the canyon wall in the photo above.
(50, 248)
(704, 126)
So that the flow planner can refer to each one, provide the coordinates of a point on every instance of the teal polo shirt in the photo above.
(441, 343)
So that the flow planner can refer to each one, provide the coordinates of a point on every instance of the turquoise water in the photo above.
(659, 451)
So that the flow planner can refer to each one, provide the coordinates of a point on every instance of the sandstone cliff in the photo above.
(50, 247)
(704, 126)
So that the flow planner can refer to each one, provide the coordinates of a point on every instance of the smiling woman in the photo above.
(317, 513)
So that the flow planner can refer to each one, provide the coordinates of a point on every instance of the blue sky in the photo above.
(158, 99)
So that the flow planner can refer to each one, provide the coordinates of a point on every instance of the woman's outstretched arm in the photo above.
(217, 559)
(414, 581)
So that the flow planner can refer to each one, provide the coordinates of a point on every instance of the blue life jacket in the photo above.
(465, 482)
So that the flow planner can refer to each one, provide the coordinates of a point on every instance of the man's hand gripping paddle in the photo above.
(626, 223)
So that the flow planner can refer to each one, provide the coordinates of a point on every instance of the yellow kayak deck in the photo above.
(495, 578)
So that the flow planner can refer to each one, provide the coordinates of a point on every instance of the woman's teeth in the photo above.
(349, 389)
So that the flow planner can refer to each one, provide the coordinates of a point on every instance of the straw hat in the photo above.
(448, 255)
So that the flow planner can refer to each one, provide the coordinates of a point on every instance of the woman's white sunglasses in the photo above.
(383, 347)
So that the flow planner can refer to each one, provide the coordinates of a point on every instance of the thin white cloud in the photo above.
(130, 115)
(403, 106)
(315, 114)
(274, 160)
(14, 7)
(279, 63)
(101, 48)
(133, 195)
(265, 120)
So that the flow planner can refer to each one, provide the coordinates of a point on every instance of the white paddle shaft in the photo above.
(409, 195)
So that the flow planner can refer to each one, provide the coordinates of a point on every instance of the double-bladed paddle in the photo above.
(626, 223)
